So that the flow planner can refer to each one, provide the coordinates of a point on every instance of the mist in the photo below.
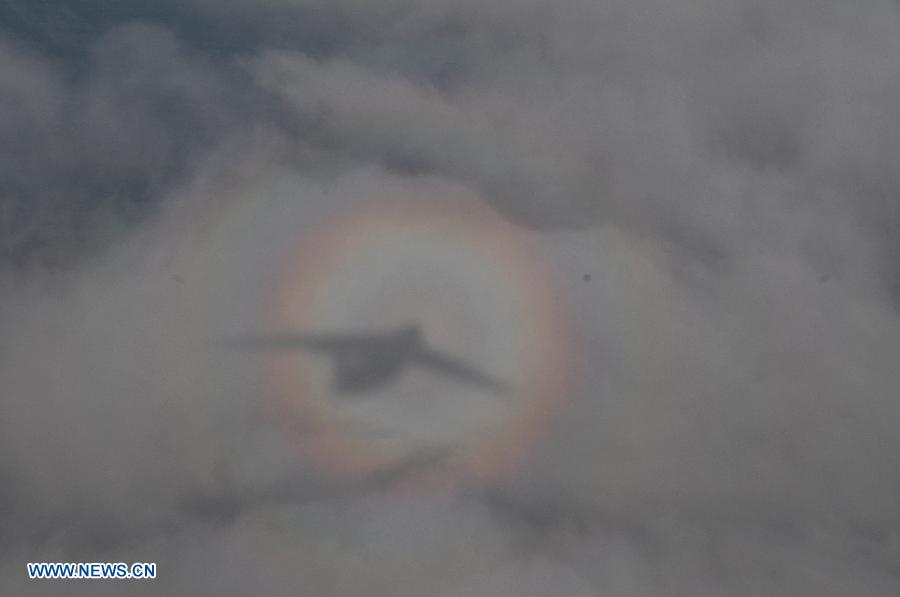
(714, 183)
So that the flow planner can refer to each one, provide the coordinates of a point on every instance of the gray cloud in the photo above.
(725, 172)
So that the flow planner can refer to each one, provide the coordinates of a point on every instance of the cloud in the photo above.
(724, 172)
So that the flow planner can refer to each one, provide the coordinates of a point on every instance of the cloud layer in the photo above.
(724, 172)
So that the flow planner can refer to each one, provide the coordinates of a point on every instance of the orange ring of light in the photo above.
(516, 255)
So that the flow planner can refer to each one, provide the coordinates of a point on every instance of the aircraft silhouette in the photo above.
(365, 361)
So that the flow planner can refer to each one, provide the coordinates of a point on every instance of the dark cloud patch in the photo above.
(89, 155)
(67, 29)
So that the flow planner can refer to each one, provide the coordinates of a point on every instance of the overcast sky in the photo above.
(724, 171)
